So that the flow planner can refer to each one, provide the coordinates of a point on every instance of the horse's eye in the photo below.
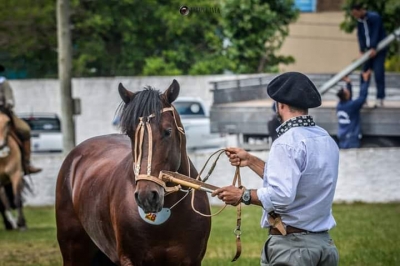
(167, 132)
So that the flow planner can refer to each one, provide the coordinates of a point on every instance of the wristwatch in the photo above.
(246, 197)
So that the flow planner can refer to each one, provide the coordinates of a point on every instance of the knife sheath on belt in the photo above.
(177, 178)
(275, 221)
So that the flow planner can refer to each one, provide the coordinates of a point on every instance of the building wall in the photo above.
(100, 98)
(318, 45)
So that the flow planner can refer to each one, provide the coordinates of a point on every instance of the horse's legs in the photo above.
(5, 210)
(17, 186)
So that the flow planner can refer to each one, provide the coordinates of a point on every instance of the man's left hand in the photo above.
(230, 195)
(373, 53)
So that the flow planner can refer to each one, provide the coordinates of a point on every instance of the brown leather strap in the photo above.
(291, 230)
(237, 231)
(13, 134)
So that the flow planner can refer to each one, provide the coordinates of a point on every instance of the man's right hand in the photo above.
(366, 75)
(238, 157)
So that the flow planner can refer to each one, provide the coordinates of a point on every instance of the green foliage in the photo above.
(256, 30)
(393, 63)
(28, 35)
(389, 11)
(146, 37)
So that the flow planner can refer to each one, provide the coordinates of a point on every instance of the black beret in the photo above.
(294, 89)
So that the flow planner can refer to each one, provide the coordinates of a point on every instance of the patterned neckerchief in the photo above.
(298, 121)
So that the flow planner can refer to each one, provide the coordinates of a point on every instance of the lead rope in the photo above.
(236, 179)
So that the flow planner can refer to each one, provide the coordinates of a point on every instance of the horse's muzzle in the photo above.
(151, 200)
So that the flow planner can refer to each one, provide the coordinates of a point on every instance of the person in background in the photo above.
(370, 32)
(22, 129)
(348, 112)
(299, 180)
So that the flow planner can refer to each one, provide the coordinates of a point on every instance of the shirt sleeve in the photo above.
(358, 103)
(376, 22)
(281, 177)
(361, 41)
(350, 88)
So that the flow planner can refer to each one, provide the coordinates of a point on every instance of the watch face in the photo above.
(246, 196)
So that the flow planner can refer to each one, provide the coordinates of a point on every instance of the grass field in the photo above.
(366, 234)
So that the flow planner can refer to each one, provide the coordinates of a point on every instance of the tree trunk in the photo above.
(64, 74)
(261, 65)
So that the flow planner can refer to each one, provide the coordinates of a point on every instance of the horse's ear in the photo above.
(126, 95)
(172, 92)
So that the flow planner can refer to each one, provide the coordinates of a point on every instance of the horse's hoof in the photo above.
(23, 228)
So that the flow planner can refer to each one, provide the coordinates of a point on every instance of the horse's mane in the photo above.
(146, 102)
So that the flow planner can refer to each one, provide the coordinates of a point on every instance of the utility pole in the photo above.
(64, 74)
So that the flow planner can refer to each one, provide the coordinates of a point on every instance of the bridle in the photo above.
(144, 123)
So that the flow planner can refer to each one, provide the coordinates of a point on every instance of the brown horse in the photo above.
(104, 179)
(11, 174)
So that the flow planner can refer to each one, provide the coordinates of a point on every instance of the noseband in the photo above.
(144, 123)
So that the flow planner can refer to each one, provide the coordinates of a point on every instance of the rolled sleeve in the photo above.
(281, 177)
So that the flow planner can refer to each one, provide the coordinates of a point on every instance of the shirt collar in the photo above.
(364, 19)
(298, 121)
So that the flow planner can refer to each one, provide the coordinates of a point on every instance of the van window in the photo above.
(189, 108)
(43, 124)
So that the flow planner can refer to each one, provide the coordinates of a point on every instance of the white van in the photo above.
(46, 135)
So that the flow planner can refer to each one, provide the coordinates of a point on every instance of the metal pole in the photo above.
(64, 74)
(350, 68)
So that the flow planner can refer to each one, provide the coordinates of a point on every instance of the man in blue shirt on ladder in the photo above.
(370, 32)
(348, 112)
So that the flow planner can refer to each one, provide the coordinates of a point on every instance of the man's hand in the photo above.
(346, 79)
(238, 157)
(230, 195)
(373, 53)
(366, 75)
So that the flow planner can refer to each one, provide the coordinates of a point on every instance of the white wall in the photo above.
(100, 98)
(366, 175)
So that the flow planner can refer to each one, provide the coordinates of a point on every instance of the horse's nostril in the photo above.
(137, 196)
(154, 196)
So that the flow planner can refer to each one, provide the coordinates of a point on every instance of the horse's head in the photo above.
(5, 122)
(157, 138)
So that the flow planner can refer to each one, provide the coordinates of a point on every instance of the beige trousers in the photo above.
(22, 128)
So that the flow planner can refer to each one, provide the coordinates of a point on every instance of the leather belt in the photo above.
(291, 230)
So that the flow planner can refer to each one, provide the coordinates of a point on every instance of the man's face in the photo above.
(357, 14)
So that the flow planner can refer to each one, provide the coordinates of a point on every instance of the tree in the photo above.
(389, 11)
(28, 36)
(147, 37)
(256, 30)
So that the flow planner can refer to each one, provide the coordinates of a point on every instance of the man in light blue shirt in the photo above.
(299, 180)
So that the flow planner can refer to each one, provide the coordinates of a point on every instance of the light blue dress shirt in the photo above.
(300, 179)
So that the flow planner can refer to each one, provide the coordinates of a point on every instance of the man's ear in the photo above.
(172, 92)
(126, 95)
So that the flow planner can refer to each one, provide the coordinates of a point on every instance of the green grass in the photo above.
(366, 234)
